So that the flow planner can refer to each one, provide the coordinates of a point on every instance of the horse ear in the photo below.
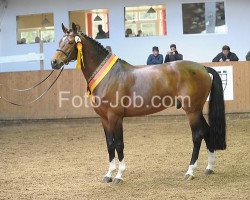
(74, 28)
(65, 30)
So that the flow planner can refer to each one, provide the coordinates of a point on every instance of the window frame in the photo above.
(143, 21)
(92, 11)
(38, 30)
(204, 1)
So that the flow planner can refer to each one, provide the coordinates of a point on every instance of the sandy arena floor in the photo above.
(66, 159)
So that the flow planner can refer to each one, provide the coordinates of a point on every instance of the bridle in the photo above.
(67, 54)
(77, 46)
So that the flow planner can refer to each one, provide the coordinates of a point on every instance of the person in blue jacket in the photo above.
(155, 58)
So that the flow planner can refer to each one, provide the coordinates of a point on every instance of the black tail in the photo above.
(217, 121)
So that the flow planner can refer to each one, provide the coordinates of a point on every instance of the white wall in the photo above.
(200, 48)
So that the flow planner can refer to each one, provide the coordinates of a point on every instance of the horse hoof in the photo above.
(117, 181)
(188, 177)
(208, 172)
(107, 179)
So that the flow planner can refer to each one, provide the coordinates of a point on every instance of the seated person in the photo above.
(173, 55)
(225, 55)
(37, 40)
(139, 34)
(23, 41)
(248, 56)
(101, 34)
(155, 58)
(128, 32)
(109, 49)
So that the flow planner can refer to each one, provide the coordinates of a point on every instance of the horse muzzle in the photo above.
(56, 64)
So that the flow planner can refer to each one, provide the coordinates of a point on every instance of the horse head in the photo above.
(67, 50)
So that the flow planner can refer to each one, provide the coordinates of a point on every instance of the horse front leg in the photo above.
(119, 146)
(114, 138)
(111, 151)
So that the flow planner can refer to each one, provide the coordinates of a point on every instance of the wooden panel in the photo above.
(241, 73)
(72, 81)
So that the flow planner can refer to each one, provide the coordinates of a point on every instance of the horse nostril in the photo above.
(53, 62)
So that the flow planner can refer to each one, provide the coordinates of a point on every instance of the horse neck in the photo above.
(93, 57)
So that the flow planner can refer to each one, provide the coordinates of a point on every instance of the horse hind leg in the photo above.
(210, 151)
(198, 131)
(211, 161)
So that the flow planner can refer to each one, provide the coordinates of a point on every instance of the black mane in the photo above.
(99, 47)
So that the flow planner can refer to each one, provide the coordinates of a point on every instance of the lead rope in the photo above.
(79, 62)
(40, 96)
(27, 89)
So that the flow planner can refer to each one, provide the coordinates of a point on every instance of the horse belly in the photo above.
(141, 111)
(158, 96)
(156, 104)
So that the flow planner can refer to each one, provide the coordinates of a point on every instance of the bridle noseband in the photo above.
(67, 55)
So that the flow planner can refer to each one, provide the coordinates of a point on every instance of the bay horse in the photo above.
(108, 76)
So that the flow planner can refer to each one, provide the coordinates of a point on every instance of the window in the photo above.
(206, 17)
(145, 21)
(94, 23)
(34, 28)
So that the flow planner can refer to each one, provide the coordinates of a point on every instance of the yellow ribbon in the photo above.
(79, 56)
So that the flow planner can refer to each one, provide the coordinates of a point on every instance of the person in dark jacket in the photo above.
(226, 55)
(173, 55)
(155, 58)
(248, 56)
(101, 34)
(109, 49)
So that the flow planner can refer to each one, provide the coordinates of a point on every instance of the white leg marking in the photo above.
(211, 160)
(191, 169)
(121, 169)
(112, 167)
